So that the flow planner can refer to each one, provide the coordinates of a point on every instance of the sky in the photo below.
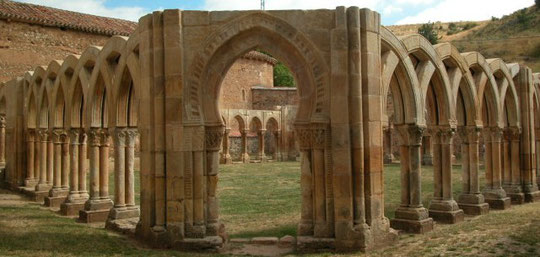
(393, 12)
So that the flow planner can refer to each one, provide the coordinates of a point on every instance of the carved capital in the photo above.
(213, 138)
(446, 134)
(119, 137)
(74, 135)
(131, 136)
(104, 137)
(2, 121)
(496, 134)
(94, 137)
(30, 135)
(43, 135)
(514, 133)
(56, 136)
(469, 135)
(411, 135)
(303, 135)
(318, 136)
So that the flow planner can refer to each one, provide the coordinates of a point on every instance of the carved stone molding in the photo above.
(120, 135)
(131, 136)
(2, 121)
(303, 135)
(94, 137)
(318, 138)
(74, 135)
(411, 135)
(43, 135)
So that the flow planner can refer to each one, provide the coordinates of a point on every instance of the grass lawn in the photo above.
(264, 200)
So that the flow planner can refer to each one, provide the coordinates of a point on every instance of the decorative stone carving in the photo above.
(303, 135)
(214, 137)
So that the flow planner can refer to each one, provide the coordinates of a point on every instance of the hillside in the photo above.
(514, 37)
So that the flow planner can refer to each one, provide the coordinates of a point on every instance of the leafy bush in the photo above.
(283, 76)
(428, 31)
(452, 29)
(524, 18)
(470, 25)
(493, 18)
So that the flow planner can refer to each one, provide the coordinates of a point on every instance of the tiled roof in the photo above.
(47, 16)
(254, 55)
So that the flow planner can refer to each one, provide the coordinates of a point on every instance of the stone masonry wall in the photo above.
(268, 98)
(24, 46)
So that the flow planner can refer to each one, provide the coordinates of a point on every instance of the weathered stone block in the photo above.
(87, 216)
(449, 217)
(71, 209)
(499, 204)
(474, 209)
(413, 226)
(54, 202)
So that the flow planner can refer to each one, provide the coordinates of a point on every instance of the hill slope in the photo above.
(514, 37)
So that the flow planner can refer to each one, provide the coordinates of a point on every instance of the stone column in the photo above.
(2, 140)
(75, 200)
(471, 201)
(277, 151)
(494, 194)
(58, 192)
(443, 207)
(97, 208)
(50, 159)
(225, 154)
(388, 154)
(83, 167)
(536, 172)
(512, 178)
(42, 186)
(261, 154)
(124, 174)
(245, 153)
(427, 151)
(213, 139)
(64, 139)
(30, 153)
(411, 216)
(305, 227)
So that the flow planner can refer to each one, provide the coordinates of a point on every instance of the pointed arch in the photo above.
(509, 101)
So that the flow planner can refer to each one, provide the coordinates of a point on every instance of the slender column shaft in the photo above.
(514, 154)
(43, 158)
(130, 167)
(119, 167)
(213, 139)
(30, 138)
(2, 139)
(245, 153)
(437, 166)
(496, 152)
(93, 152)
(506, 161)
(50, 161)
(474, 165)
(74, 162)
(198, 188)
(446, 165)
(57, 159)
(277, 151)
(466, 164)
(261, 145)
(104, 165)
(306, 182)
(65, 160)
(488, 157)
(37, 156)
(405, 175)
(82, 165)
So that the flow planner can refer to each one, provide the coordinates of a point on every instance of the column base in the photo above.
(309, 243)
(388, 159)
(124, 213)
(473, 204)
(245, 158)
(95, 210)
(225, 159)
(532, 197)
(412, 220)
(38, 196)
(30, 182)
(54, 201)
(124, 226)
(71, 208)
(446, 211)
(43, 187)
(427, 160)
(499, 204)
(516, 198)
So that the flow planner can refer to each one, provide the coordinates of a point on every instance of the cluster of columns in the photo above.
(226, 158)
(57, 168)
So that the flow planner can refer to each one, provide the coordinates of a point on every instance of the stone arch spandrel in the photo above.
(486, 87)
(507, 91)
(53, 76)
(245, 33)
(462, 80)
(77, 92)
(39, 79)
(395, 61)
(431, 70)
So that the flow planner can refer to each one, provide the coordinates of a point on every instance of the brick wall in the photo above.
(267, 98)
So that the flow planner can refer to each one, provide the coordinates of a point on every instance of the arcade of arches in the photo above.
(162, 84)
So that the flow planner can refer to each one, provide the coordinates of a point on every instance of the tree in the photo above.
(537, 3)
(283, 76)
(428, 31)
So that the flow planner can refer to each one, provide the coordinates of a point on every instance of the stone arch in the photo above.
(398, 68)
(60, 91)
(38, 85)
(255, 124)
(99, 105)
(246, 33)
(462, 83)
(486, 88)
(431, 71)
(79, 86)
(509, 102)
(56, 109)
(30, 102)
(241, 122)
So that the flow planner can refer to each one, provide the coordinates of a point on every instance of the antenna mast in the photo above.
(262, 5)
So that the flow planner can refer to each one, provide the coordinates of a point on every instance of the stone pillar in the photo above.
(124, 174)
(427, 151)
(261, 154)
(2, 140)
(77, 189)
(411, 216)
(305, 227)
(443, 208)
(245, 153)
(225, 153)
(493, 192)
(50, 159)
(30, 181)
(536, 172)
(277, 151)
(471, 201)
(388, 154)
(42, 186)
(512, 172)
(58, 193)
(213, 139)
(96, 209)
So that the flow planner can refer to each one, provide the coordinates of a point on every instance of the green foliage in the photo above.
(452, 29)
(493, 18)
(428, 31)
(524, 18)
(537, 3)
(283, 76)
